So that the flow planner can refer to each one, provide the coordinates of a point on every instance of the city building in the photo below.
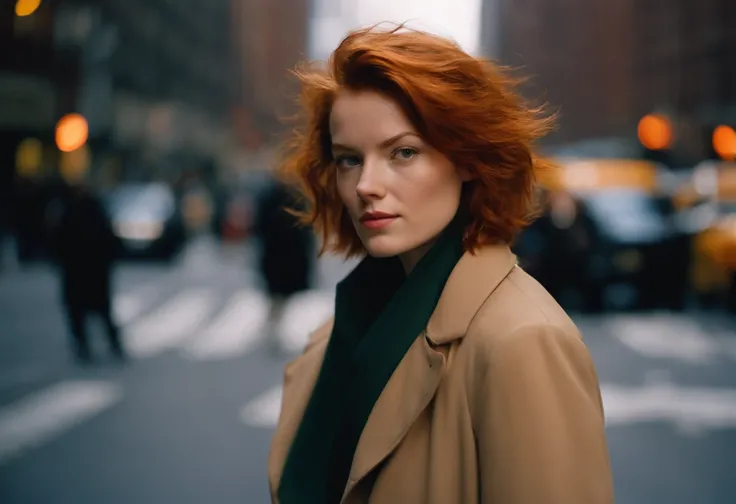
(166, 71)
(34, 86)
(155, 80)
(147, 87)
(270, 37)
(606, 64)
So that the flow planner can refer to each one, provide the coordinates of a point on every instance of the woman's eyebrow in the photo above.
(383, 145)
(392, 140)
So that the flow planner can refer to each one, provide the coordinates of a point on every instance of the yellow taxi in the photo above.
(590, 175)
(633, 244)
(710, 200)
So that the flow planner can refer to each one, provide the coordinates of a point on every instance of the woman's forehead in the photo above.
(366, 117)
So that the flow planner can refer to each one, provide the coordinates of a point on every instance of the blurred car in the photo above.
(707, 204)
(146, 220)
(638, 245)
(635, 239)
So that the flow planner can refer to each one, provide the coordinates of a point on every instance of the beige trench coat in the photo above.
(497, 402)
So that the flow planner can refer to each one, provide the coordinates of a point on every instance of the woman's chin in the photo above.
(383, 246)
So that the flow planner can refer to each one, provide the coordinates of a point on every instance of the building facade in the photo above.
(574, 56)
(167, 72)
(606, 64)
(153, 78)
(34, 86)
(270, 38)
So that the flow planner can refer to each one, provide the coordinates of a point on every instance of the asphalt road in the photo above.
(189, 419)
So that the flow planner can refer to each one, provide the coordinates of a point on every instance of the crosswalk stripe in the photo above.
(127, 306)
(240, 325)
(200, 257)
(665, 336)
(168, 326)
(39, 417)
(303, 314)
(264, 410)
(690, 409)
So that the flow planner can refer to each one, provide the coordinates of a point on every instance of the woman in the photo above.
(447, 375)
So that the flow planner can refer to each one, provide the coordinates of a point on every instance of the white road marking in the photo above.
(665, 336)
(39, 417)
(127, 306)
(168, 326)
(302, 315)
(691, 410)
(235, 331)
(264, 410)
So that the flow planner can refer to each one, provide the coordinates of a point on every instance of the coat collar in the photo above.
(416, 379)
(472, 281)
(474, 278)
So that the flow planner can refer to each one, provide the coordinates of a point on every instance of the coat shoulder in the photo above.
(519, 302)
(519, 316)
(521, 332)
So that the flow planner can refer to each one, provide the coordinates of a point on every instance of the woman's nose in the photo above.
(370, 185)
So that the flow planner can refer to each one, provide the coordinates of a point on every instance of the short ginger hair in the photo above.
(467, 108)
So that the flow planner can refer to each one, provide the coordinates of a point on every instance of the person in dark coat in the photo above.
(287, 249)
(85, 248)
(555, 249)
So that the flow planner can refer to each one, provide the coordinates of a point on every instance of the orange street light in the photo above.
(655, 132)
(72, 132)
(26, 7)
(724, 142)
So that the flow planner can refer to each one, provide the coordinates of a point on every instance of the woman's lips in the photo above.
(378, 223)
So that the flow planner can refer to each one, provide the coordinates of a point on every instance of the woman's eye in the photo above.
(406, 153)
(347, 161)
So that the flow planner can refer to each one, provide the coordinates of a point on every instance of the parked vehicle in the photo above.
(632, 237)
(147, 220)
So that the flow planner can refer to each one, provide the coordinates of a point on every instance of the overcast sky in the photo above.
(457, 19)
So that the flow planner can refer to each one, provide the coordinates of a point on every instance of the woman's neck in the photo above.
(411, 258)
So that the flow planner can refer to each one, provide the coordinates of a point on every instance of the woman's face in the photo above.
(400, 193)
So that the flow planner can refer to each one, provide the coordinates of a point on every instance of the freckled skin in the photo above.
(384, 165)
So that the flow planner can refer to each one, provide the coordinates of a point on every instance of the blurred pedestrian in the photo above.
(286, 251)
(447, 374)
(85, 247)
(556, 250)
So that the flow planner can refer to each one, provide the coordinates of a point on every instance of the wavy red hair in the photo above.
(467, 108)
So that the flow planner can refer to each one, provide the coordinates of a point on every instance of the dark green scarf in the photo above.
(379, 312)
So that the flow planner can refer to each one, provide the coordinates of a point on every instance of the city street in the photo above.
(189, 418)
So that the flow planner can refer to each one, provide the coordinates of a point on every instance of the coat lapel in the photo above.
(473, 280)
(415, 380)
(420, 371)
